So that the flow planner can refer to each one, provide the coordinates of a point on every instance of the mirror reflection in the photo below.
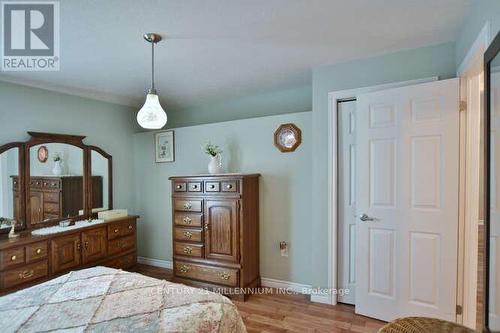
(56, 182)
(494, 259)
(9, 187)
(100, 182)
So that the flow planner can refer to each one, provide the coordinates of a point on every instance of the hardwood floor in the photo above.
(288, 313)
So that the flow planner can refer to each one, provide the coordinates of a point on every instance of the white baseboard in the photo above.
(295, 287)
(321, 298)
(265, 282)
(155, 262)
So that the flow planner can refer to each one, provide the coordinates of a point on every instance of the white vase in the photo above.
(57, 170)
(215, 165)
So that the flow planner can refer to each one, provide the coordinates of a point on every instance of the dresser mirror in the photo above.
(492, 187)
(52, 177)
(10, 203)
(100, 169)
(56, 184)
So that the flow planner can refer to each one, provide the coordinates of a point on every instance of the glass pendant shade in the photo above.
(152, 115)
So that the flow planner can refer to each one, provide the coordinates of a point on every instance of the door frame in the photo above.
(333, 98)
(469, 221)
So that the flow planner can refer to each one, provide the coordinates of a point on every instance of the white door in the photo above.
(347, 199)
(494, 284)
(407, 182)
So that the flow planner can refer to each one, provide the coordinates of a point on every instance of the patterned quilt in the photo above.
(102, 299)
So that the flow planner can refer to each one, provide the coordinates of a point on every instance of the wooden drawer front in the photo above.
(51, 208)
(195, 187)
(212, 187)
(51, 197)
(36, 183)
(12, 257)
(190, 250)
(191, 235)
(24, 274)
(121, 229)
(187, 205)
(180, 187)
(36, 251)
(230, 186)
(218, 275)
(125, 261)
(121, 245)
(189, 220)
(51, 184)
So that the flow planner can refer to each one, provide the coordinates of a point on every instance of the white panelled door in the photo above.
(494, 285)
(347, 199)
(407, 143)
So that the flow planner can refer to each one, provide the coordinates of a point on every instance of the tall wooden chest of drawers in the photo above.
(216, 232)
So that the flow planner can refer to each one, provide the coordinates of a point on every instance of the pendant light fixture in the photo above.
(152, 115)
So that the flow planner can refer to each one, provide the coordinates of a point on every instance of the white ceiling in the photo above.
(217, 49)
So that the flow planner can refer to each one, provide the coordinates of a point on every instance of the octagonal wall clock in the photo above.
(287, 138)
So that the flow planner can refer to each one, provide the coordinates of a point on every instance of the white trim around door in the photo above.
(333, 99)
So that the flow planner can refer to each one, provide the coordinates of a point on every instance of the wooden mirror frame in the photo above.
(38, 138)
(22, 198)
(490, 54)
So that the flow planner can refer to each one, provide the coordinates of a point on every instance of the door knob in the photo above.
(364, 218)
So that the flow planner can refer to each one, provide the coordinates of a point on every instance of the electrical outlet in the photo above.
(284, 249)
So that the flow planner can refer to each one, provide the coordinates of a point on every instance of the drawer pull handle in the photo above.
(212, 186)
(224, 276)
(184, 269)
(38, 251)
(188, 235)
(187, 220)
(195, 187)
(115, 231)
(13, 258)
(26, 274)
(187, 205)
(229, 186)
(86, 245)
(130, 227)
(178, 187)
(188, 250)
(206, 226)
(78, 246)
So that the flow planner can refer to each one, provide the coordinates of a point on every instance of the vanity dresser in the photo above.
(216, 232)
(39, 199)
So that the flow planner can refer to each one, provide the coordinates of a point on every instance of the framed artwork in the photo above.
(287, 138)
(43, 154)
(164, 147)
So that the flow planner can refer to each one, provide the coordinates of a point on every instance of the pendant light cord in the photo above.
(153, 67)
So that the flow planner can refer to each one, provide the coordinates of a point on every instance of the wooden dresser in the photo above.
(30, 259)
(216, 231)
(55, 197)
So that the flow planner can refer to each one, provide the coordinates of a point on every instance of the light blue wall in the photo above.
(285, 191)
(482, 11)
(405, 65)
(106, 125)
(290, 100)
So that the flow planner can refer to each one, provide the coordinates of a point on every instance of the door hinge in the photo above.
(463, 106)
(459, 310)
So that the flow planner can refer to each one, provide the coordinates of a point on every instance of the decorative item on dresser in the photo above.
(29, 259)
(216, 231)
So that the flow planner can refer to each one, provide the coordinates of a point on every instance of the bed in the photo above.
(102, 299)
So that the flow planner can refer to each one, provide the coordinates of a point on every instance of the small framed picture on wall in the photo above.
(164, 147)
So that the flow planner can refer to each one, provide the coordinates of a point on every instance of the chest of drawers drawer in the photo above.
(188, 220)
(123, 244)
(17, 276)
(190, 250)
(120, 229)
(187, 205)
(217, 275)
(36, 251)
(188, 234)
(12, 257)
